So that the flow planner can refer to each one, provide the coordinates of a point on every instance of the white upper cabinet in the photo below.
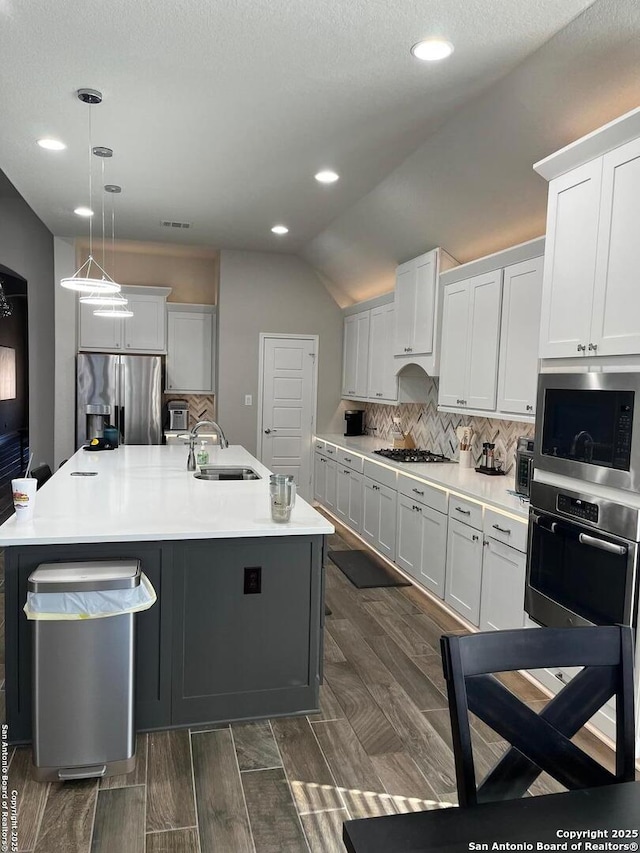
(191, 348)
(520, 330)
(382, 381)
(490, 333)
(145, 332)
(415, 305)
(418, 304)
(570, 262)
(470, 342)
(454, 347)
(615, 326)
(355, 364)
(591, 301)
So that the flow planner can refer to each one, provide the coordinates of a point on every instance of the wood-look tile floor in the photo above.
(381, 744)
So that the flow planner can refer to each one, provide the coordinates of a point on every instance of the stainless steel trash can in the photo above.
(83, 677)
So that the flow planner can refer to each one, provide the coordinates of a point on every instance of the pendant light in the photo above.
(113, 306)
(83, 280)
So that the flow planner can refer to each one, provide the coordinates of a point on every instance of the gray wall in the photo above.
(265, 292)
(26, 246)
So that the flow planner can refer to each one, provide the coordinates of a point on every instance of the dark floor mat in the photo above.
(365, 571)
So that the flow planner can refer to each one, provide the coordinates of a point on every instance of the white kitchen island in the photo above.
(236, 632)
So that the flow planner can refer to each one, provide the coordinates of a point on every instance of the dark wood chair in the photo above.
(42, 473)
(539, 742)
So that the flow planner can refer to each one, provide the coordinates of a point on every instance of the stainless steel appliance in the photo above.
(588, 427)
(355, 421)
(524, 465)
(178, 414)
(131, 385)
(415, 455)
(97, 419)
(582, 559)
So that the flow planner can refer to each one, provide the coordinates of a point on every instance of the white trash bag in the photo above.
(57, 606)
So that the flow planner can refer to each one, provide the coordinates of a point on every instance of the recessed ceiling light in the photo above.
(51, 144)
(83, 211)
(327, 176)
(431, 50)
(280, 229)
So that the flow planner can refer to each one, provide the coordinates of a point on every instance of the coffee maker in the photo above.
(355, 421)
(97, 419)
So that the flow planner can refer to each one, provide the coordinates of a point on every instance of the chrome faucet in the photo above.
(193, 435)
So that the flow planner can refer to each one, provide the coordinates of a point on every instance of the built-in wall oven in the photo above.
(588, 427)
(582, 561)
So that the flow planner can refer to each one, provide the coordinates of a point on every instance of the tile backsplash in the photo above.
(434, 430)
(201, 406)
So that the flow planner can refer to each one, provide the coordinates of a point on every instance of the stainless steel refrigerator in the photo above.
(131, 385)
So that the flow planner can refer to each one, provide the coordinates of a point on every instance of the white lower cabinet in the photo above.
(379, 517)
(349, 497)
(319, 477)
(331, 484)
(422, 543)
(503, 579)
(464, 570)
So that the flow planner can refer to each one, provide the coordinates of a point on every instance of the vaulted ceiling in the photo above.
(221, 112)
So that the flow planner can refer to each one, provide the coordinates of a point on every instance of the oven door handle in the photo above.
(541, 521)
(594, 542)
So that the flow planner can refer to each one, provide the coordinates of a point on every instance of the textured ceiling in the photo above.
(221, 111)
(470, 187)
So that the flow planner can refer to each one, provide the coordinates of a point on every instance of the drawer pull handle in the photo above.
(581, 348)
(416, 508)
(347, 459)
(529, 408)
(463, 511)
(346, 471)
(418, 492)
(501, 529)
(475, 537)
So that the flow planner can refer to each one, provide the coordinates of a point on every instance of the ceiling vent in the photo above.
(170, 223)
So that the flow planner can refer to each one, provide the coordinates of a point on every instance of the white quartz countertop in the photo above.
(492, 491)
(145, 493)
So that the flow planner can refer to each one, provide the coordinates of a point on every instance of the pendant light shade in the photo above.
(113, 312)
(105, 300)
(6, 308)
(82, 281)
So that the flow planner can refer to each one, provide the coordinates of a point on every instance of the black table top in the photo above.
(532, 819)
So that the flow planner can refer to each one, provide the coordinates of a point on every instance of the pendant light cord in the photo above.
(90, 189)
(104, 264)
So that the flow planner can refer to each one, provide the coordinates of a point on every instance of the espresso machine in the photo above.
(97, 419)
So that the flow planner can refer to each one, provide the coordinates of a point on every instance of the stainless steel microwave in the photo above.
(588, 427)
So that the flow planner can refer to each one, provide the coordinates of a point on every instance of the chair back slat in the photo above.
(539, 742)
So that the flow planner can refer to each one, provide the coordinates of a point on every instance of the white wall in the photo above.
(26, 247)
(65, 352)
(265, 292)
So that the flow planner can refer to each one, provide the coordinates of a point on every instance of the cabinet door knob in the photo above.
(593, 347)
(529, 408)
(267, 432)
(475, 538)
(581, 348)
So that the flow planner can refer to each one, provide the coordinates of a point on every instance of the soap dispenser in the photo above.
(202, 457)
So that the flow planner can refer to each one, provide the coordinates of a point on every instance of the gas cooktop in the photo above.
(397, 455)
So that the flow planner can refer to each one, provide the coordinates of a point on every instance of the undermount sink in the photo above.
(226, 472)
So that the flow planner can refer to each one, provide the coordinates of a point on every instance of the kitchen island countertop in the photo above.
(145, 493)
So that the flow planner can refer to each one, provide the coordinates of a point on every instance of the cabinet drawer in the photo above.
(422, 492)
(465, 511)
(319, 445)
(351, 460)
(386, 476)
(505, 529)
(330, 450)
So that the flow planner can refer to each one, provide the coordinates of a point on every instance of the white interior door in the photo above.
(287, 417)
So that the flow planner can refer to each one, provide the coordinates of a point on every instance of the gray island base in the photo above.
(236, 633)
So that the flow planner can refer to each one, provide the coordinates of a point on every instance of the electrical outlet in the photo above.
(396, 421)
(252, 580)
(248, 400)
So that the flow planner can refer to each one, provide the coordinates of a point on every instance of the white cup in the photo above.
(466, 460)
(24, 497)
